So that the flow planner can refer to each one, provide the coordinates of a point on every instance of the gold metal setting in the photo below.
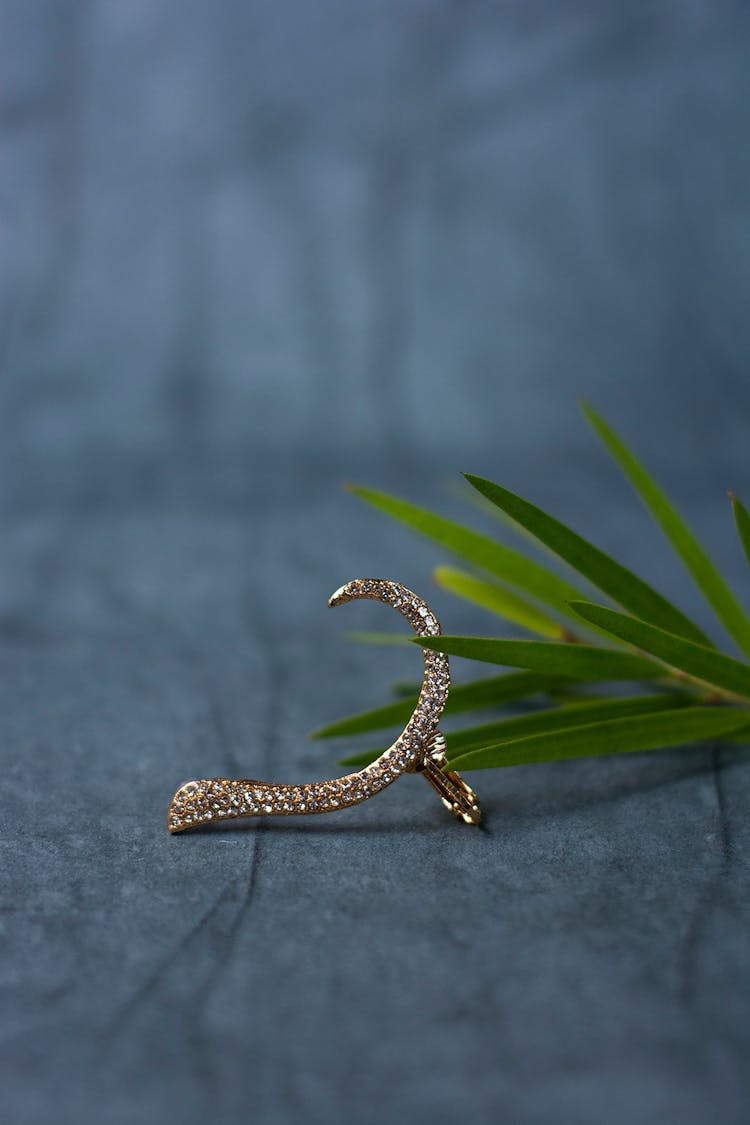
(420, 748)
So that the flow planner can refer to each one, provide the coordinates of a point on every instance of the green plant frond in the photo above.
(581, 662)
(613, 736)
(498, 600)
(706, 664)
(619, 583)
(377, 638)
(475, 696)
(362, 759)
(464, 491)
(560, 718)
(698, 692)
(700, 566)
(463, 744)
(405, 690)
(487, 554)
(740, 737)
(742, 521)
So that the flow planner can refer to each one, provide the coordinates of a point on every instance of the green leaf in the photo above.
(614, 736)
(378, 638)
(560, 718)
(495, 558)
(362, 759)
(621, 584)
(498, 600)
(402, 689)
(581, 662)
(703, 571)
(742, 520)
(556, 718)
(723, 672)
(490, 692)
(464, 491)
(739, 737)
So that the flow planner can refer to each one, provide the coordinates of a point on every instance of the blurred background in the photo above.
(366, 232)
(248, 252)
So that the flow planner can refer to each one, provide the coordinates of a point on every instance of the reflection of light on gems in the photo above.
(419, 748)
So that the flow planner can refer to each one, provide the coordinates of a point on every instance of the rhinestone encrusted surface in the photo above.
(203, 802)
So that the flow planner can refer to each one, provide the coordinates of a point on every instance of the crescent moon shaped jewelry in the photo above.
(420, 748)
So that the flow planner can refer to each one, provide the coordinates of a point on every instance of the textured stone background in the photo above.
(248, 252)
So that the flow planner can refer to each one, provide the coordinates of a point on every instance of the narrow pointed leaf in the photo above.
(617, 581)
(499, 600)
(489, 555)
(362, 759)
(702, 569)
(739, 737)
(556, 718)
(480, 503)
(723, 672)
(560, 718)
(582, 662)
(378, 638)
(475, 696)
(614, 736)
(404, 690)
(742, 520)
(461, 744)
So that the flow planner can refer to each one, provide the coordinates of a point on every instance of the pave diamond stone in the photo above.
(199, 802)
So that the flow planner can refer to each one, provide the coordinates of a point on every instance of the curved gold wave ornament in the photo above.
(420, 748)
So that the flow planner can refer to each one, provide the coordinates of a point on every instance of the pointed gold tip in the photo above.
(338, 597)
(213, 800)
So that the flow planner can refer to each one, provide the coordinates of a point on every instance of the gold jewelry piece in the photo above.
(420, 748)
